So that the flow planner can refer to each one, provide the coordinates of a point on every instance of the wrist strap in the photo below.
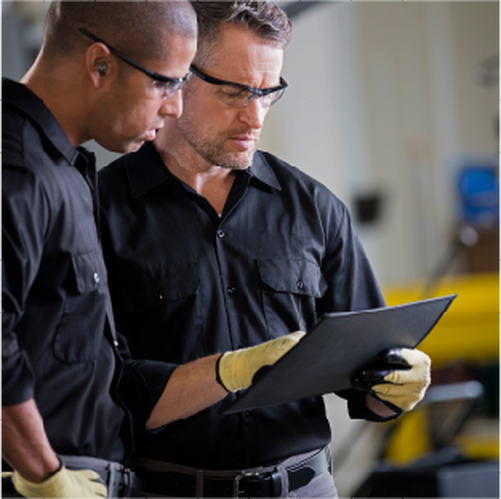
(52, 473)
(218, 377)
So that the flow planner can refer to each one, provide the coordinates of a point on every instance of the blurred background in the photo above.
(395, 107)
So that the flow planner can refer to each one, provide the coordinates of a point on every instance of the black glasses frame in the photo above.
(148, 72)
(256, 92)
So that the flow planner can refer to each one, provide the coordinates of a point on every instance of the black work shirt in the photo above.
(59, 344)
(186, 282)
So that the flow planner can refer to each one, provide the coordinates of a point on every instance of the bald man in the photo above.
(72, 396)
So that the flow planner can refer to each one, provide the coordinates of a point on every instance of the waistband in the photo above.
(175, 480)
(118, 478)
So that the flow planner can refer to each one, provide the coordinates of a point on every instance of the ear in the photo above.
(99, 63)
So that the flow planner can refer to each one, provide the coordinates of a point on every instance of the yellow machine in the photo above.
(467, 335)
(470, 329)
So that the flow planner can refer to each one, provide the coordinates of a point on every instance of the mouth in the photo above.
(244, 142)
(151, 134)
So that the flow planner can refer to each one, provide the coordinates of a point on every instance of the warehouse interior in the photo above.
(395, 107)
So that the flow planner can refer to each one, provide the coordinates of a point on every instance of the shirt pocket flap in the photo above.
(90, 271)
(158, 288)
(298, 276)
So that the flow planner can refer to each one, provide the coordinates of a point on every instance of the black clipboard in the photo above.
(337, 347)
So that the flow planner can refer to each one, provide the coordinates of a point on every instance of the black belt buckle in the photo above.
(258, 484)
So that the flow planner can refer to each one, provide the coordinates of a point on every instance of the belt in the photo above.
(118, 479)
(181, 481)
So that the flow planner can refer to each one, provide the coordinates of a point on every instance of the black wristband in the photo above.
(61, 464)
(218, 377)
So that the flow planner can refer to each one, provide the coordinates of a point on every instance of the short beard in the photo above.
(214, 154)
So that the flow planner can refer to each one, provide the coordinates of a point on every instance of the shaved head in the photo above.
(138, 29)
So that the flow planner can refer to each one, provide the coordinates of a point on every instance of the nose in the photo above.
(172, 106)
(253, 114)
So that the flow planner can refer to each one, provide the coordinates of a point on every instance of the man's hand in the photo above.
(402, 383)
(64, 483)
(236, 369)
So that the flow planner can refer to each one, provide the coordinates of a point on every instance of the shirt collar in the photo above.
(146, 171)
(262, 171)
(25, 101)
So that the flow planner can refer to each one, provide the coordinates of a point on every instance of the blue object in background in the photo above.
(478, 188)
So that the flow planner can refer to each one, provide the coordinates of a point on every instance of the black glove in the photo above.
(402, 381)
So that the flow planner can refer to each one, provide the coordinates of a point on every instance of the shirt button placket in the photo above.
(221, 234)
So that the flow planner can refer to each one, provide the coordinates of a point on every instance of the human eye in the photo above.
(160, 85)
(268, 99)
(230, 92)
(164, 89)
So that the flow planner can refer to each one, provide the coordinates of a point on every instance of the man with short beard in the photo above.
(212, 244)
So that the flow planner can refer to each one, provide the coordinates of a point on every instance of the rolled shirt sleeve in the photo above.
(141, 385)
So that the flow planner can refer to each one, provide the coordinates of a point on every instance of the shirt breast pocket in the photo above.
(290, 290)
(155, 289)
(81, 328)
(158, 311)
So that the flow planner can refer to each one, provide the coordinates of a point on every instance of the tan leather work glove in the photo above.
(236, 369)
(71, 484)
(402, 383)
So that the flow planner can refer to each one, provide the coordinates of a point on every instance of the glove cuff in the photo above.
(218, 375)
(357, 407)
(233, 370)
(393, 407)
(27, 488)
(58, 469)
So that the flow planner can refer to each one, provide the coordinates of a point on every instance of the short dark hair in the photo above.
(263, 17)
(137, 29)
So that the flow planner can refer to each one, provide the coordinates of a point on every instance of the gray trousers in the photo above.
(321, 485)
(113, 475)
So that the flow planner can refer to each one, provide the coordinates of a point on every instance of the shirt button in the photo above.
(96, 277)
(159, 296)
(300, 284)
(221, 234)
(248, 413)
(115, 342)
(231, 290)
